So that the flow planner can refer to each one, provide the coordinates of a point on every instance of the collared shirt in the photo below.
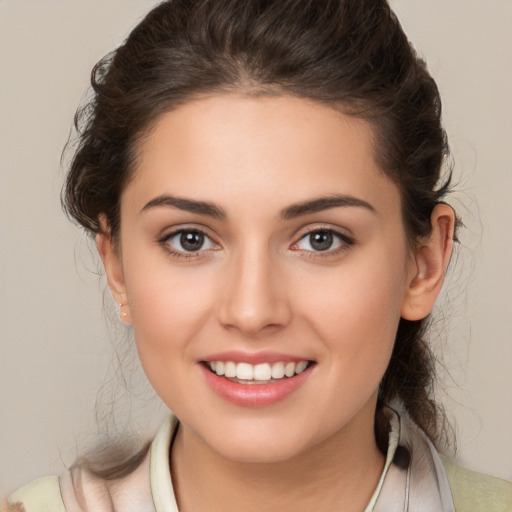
(414, 479)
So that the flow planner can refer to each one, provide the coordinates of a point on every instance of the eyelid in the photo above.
(347, 241)
(169, 231)
(164, 241)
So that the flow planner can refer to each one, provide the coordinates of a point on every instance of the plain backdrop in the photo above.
(55, 347)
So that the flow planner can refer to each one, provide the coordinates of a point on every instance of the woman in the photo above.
(263, 180)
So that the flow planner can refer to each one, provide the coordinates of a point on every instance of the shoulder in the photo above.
(475, 492)
(42, 495)
(79, 489)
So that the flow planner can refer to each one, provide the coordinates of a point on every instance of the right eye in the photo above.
(188, 241)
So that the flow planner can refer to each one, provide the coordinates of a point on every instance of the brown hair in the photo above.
(350, 54)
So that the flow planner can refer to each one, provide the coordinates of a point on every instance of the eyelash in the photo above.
(345, 243)
(186, 255)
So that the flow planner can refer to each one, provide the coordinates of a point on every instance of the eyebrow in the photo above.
(189, 205)
(290, 212)
(324, 203)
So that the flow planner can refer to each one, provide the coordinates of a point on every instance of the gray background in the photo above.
(55, 348)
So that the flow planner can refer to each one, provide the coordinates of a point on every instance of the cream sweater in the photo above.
(149, 487)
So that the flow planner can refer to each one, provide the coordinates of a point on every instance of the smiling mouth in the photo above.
(263, 373)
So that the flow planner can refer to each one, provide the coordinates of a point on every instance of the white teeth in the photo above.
(300, 367)
(219, 368)
(278, 370)
(289, 369)
(260, 372)
(230, 369)
(244, 371)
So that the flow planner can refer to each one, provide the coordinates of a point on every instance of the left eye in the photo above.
(321, 240)
(189, 240)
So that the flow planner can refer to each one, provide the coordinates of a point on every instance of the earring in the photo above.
(122, 313)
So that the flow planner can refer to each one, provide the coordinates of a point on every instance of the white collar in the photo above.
(419, 486)
(160, 472)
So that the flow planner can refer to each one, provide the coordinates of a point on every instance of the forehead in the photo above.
(234, 146)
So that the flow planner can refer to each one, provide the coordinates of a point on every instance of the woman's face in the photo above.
(259, 236)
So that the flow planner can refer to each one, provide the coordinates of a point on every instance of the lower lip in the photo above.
(254, 395)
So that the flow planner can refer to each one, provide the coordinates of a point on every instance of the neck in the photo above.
(340, 473)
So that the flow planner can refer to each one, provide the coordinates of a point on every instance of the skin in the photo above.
(257, 284)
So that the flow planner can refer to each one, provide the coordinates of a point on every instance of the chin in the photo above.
(261, 444)
(263, 453)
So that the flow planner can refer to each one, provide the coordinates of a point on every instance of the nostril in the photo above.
(251, 299)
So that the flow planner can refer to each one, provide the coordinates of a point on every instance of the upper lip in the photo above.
(254, 357)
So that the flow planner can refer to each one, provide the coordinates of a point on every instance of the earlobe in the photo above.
(113, 270)
(428, 266)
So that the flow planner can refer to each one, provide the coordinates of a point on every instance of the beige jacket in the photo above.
(427, 484)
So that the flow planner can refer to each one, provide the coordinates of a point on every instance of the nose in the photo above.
(254, 299)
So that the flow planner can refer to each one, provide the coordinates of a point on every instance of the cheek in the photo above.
(168, 307)
(356, 314)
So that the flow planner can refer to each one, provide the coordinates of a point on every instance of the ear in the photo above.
(113, 269)
(428, 265)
